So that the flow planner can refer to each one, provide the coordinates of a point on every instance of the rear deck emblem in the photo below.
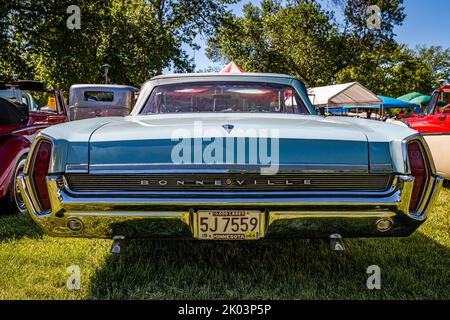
(228, 127)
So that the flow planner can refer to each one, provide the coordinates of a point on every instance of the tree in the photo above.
(302, 39)
(138, 38)
(438, 59)
(298, 39)
(392, 70)
(11, 48)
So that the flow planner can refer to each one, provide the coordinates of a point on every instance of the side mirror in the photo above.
(442, 117)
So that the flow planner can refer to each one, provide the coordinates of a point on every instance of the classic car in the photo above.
(100, 100)
(434, 125)
(436, 119)
(229, 157)
(25, 109)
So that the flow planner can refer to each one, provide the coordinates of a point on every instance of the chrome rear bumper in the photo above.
(158, 215)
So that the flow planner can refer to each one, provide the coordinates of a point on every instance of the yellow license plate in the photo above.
(228, 225)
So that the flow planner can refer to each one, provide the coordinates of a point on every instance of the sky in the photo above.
(427, 22)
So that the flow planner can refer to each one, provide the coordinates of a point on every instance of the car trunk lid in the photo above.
(248, 139)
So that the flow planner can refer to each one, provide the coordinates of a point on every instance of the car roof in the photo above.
(222, 74)
(102, 86)
(444, 89)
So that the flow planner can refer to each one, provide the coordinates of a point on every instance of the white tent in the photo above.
(348, 94)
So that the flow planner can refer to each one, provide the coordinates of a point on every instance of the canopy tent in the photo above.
(340, 95)
(387, 103)
(232, 68)
(392, 103)
(421, 100)
(416, 98)
(409, 96)
(346, 108)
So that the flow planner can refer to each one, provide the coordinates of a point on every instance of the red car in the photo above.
(434, 125)
(437, 116)
(25, 109)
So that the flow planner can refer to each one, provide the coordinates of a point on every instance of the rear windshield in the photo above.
(103, 96)
(224, 97)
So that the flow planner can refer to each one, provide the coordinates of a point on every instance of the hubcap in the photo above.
(17, 195)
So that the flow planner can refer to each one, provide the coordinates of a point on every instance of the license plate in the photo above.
(229, 225)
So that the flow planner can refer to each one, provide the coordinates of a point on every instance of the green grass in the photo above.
(34, 266)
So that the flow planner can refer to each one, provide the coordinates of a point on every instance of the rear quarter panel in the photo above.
(71, 141)
(12, 148)
(440, 150)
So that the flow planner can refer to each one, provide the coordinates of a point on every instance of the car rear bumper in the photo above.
(284, 214)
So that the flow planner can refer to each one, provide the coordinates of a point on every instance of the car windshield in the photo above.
(13, 95)
(224, 97)
(440, 103)
(33, 100)
(41, 101)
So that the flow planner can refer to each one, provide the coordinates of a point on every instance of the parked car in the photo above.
(25, 109)
(434, 125)
(174, 168)
(100, 100)
(436, 119)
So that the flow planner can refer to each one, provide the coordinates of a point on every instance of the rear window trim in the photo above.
(298, 96)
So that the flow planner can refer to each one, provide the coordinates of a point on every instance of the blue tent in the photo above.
(388, 103)
(392, 103)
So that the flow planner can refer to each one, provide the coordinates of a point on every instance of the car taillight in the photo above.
(39, 173)
(419, 170)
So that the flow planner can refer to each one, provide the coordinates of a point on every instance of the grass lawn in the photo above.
(34, 266)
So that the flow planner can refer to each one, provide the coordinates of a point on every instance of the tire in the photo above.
(13, 202)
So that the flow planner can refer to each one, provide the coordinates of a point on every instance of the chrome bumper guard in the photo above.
(158, 215)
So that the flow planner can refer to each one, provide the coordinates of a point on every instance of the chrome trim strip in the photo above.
(276, 215)
(37, 126)
(381, 168)
(432, 194)
(77, 168)
(30, 164)
(131, 194)
(436, 134)
(420, 214)
(439, 181)
(92, 200)
(165, 215)
(225, 168)
(405, 143)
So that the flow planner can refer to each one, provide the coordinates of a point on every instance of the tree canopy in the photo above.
(303, 39)
(138, 38)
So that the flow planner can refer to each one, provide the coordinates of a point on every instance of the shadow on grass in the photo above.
(411, 268)
(18, 226)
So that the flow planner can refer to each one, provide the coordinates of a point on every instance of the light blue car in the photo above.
(229, 157)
